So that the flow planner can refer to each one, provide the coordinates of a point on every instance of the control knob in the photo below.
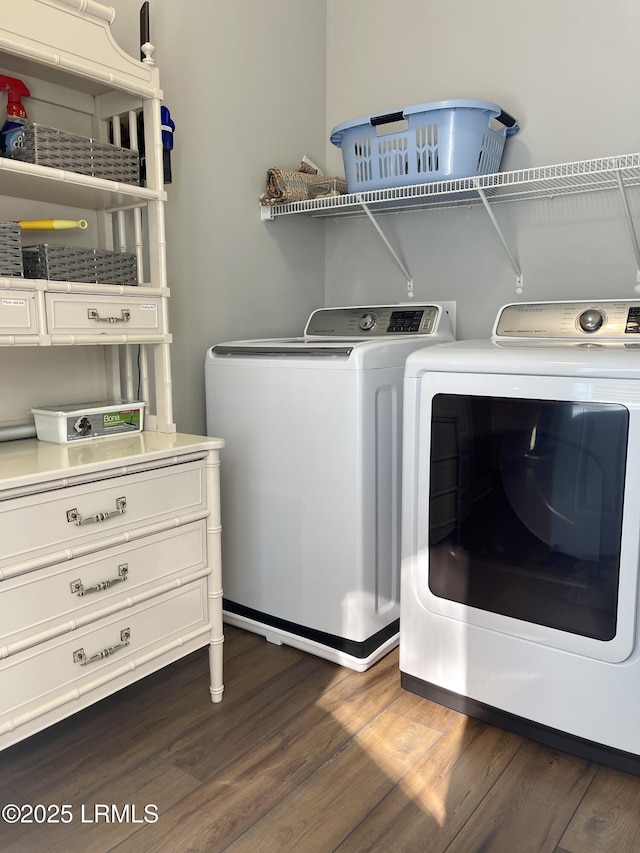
(367, 321)
(591, 320)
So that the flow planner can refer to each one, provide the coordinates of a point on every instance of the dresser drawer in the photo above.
(73, 313)
(39, 605)
(46, 525)
(63, 669)
(18, 313)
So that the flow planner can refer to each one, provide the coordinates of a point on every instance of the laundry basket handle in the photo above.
(389, 118)
(506, 119)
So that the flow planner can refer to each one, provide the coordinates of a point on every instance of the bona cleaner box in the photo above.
(77, 421)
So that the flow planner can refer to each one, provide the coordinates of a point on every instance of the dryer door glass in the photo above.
(525, 509)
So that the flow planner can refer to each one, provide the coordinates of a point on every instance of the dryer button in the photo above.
(591, 320)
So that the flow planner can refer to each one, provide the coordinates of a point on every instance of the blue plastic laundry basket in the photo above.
(438, 141)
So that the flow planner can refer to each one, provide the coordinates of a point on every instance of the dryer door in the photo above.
(520, 514)
(538, 495)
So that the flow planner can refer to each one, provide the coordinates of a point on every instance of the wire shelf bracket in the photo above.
(496, 225)
(632, 230)
(390, 248)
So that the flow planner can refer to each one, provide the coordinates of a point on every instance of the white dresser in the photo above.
(109, 569)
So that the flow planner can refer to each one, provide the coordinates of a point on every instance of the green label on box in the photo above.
(114, 420)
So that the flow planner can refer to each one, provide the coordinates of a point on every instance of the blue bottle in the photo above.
(168, 126)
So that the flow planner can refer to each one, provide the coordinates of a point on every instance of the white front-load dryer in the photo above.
(310, 485)
(521, 526)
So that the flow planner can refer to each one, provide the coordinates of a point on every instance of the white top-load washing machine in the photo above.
(310, 485)
(521, 526)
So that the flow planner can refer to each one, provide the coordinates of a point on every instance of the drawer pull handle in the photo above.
(80, 657)
(92, 314)
(78, 588)
(74, 516)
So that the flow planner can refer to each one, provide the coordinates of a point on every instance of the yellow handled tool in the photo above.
(51, 224)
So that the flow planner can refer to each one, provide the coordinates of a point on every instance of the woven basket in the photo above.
(71, 263)
(10, 250)
(46, 146)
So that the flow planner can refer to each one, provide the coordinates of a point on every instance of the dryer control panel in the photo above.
(375, 321)
(611, 319)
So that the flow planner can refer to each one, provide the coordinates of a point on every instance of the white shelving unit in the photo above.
(81, 82)
(110, 558)
(610, 173)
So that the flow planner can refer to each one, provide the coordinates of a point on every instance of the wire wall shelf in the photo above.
(582, 176)
(519, 185)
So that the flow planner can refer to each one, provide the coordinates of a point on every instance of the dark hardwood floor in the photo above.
(303, 756)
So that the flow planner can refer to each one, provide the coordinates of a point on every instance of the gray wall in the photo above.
(253, 84)
(568, 69)
(245, 83)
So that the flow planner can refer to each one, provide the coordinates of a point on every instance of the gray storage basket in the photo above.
(72, 263)
(10, 250)
(46, 146)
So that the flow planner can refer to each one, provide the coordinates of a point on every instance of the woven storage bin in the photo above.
(439, 141)
(10, 250)
(59, 149)
(71, 263)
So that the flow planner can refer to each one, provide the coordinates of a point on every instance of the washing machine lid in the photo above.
(317, 354)
(373, 336)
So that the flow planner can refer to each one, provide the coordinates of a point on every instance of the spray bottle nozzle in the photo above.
(17, 90)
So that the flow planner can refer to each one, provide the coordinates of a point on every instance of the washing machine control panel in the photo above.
(613, 320)
(375, 321)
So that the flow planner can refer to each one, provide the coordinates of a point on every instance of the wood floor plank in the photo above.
(115, 710)
(108, 814)
(321, 811)
(229, 804)
(298, 743)
(433, 801)
(608, 816)
(237, 641)
(55, 742)
(425, 712)
(150, 729)
(263, 712)
(531, 803)
(9, 795)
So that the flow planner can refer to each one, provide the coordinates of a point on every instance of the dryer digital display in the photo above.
(633, 321)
